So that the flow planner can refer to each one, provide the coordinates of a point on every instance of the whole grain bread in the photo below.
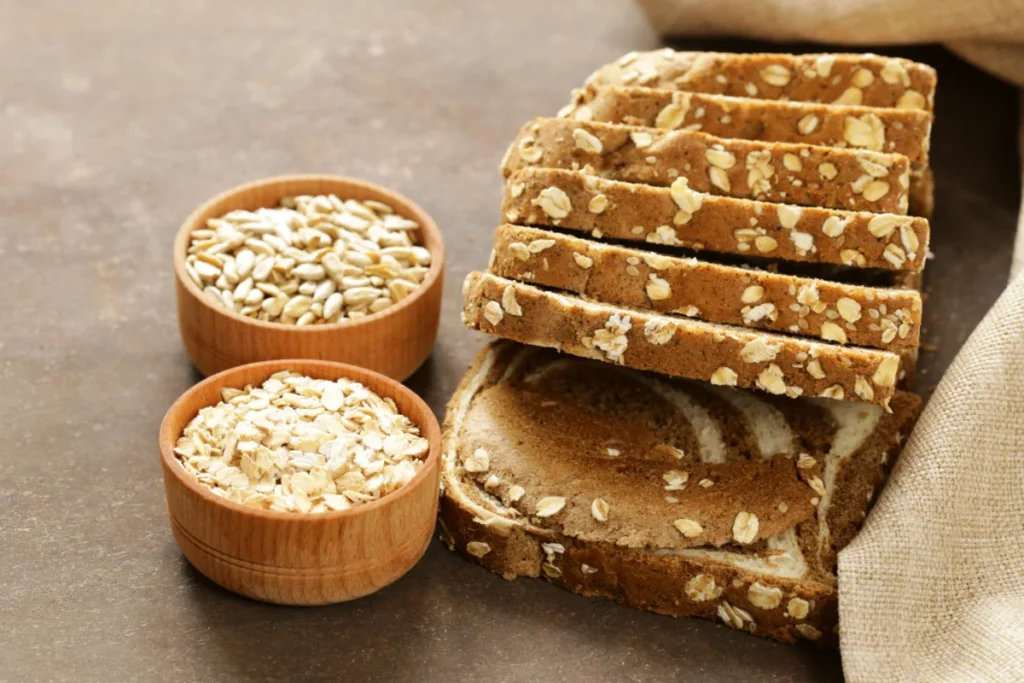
(667, 495)
(679, 216)
(850, 79)
(808, 175)
(901, 131)
(884, 318)
(922, 192)
(677, 346)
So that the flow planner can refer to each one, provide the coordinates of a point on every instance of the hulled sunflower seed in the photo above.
(267, 263)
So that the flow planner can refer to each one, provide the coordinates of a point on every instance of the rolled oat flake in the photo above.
(297, 444)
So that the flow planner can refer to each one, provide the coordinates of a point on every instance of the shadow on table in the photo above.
(450, 620)
(363, 640)
(612, 642)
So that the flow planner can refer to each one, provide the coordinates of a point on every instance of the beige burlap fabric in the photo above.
(989, 33)
(933, 587)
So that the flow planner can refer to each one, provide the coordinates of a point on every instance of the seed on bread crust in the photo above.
(798, 608)
(702, 588)
(477, 548)
(744, 527)
(550, 505)
(478, 462)
(688, 527)
(765, 597)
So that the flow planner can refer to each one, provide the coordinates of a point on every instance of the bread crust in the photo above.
(900, 131)
(856, 180)
(922, 192)
(707, 291)
(642, 213)
(823, 78)
(676, 346)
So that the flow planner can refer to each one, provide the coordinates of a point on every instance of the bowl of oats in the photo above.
(301, 482)
(309, 266)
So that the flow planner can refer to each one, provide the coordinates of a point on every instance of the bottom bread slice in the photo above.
(551, 464)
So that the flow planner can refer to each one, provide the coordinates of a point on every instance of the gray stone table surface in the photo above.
(119, 116)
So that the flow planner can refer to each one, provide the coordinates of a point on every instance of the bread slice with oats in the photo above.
(900, 131)
(884, 87)
(677, 346)
(671, 496)
(857, 180)
(680, 217)
(880, 317)
(844, 79)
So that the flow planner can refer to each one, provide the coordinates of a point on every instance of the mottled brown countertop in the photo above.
(118, 117)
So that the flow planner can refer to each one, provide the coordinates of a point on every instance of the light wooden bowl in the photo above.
(394, 341)
(292, 558)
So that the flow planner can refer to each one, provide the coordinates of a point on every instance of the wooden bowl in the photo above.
(394, 341)
(292, 558)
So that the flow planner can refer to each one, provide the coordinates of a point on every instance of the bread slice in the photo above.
(678, 216)
(643, 279)
(807, 175)
(900, 131)
(679, 347)
(922, 192)
(539, 447)
(851, 79)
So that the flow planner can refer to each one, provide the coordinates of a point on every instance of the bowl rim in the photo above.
(431, 431)
(391, 197)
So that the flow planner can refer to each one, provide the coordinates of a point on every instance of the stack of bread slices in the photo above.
(742, 228)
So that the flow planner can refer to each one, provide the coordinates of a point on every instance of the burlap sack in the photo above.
(933, 587)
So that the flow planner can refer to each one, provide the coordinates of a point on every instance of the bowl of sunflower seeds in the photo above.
(301, 482)
(309, 266)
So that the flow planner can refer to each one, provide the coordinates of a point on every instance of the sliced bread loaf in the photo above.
(679, 216)
(901, 131)
(922, 192)
(680, 347)
(868, 316)
(851, 79)
(807, 175)
(671, 496)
